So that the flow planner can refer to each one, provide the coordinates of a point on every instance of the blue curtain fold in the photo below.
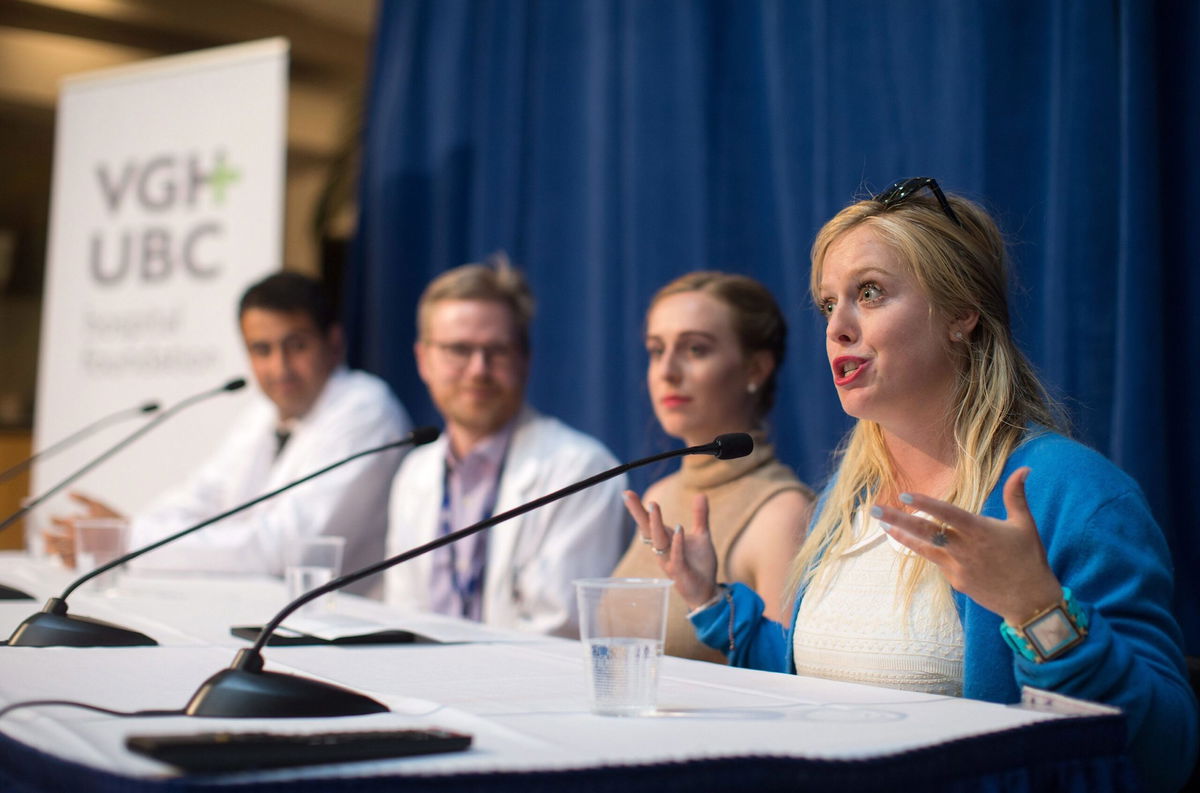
(610, 145)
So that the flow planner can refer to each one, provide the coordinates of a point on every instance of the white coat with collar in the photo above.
(533, 558)
(355, 411)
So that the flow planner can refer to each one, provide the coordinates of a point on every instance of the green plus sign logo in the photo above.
(222, 177)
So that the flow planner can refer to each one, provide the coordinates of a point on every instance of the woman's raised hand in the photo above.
(687, 557)
(1000, 564)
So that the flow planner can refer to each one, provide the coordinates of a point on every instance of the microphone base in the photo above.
(62, 630)
(242, 694)
(8, 593)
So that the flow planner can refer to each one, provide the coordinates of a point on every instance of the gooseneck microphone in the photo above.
(53, 627)
(7, 593)
(232, 385)
(78, 435)
(244, 690)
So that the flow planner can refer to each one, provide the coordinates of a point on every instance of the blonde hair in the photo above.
(996, 396)
(494, 280)
(757, 321)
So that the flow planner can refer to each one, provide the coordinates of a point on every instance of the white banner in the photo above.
(167, 202)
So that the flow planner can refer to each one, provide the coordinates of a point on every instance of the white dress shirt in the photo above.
(355, 411)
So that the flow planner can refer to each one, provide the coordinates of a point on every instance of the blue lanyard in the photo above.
(470, 589)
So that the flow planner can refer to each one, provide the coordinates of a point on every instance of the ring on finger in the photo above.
(661, 551)
(941, 537)
(646, 540)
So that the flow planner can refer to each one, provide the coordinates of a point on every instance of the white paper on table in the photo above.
(1051, 702)
(332, 625)
(329, 626)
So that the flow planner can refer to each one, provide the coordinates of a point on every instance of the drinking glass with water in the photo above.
(311, 562)
(622, 624)
(98, 541)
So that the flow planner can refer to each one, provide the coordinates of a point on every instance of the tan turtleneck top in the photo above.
(736, 489)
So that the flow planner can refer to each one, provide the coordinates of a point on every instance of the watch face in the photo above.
(1052, 633)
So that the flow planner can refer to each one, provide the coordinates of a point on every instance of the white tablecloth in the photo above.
(523, 698)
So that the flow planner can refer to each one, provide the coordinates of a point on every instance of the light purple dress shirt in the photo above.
(469, 496)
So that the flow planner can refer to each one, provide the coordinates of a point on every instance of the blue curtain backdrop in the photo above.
(610, 145)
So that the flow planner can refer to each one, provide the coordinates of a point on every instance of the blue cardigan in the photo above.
(1104, 544)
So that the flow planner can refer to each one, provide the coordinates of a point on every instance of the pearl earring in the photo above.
(752, 388)
(958, 335)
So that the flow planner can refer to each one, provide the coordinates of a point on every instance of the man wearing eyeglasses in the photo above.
(496, 453)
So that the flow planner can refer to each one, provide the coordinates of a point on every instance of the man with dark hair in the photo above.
(289, 293)
(314, 412)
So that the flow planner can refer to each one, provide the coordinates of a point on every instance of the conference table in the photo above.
(523, 698)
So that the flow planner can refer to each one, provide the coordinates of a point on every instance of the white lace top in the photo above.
(852, 624)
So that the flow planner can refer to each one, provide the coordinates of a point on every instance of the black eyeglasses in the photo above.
(904, 189)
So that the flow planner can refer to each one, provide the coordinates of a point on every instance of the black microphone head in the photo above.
(423, 435)
(235, 384)
(149, 407)
(733, 445)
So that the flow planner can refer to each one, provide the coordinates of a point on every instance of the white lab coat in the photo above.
(531, 559)
(355, 411)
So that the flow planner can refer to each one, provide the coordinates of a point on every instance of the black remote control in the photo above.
(218, 752)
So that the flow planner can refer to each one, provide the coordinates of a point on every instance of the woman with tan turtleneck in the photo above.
(715, 342)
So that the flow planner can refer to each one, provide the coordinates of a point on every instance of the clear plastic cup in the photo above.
(35, 544)
(97, 542)
(622, 624)
(311, 562)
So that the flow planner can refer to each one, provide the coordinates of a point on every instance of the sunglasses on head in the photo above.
(904, 189)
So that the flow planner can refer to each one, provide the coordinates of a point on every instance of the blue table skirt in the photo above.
(1077, 754)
